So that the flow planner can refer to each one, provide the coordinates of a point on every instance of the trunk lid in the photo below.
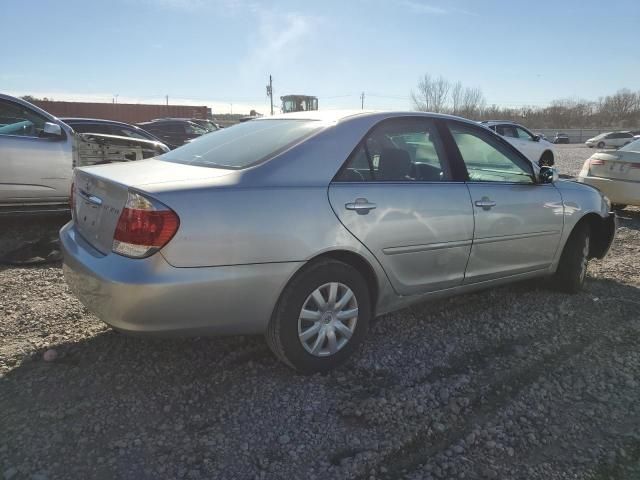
(617, 166)
(100, 192)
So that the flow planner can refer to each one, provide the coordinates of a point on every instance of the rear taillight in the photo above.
(596, 161)
(635, 165)
(144, 227)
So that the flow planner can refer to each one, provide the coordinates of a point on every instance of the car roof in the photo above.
(94, 120)
(166, 120)
(498, 122)
(181, 119)
(335, 116)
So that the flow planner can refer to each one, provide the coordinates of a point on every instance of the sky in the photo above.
(220, 52)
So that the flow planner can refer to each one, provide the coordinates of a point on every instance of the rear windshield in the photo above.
(243, 144)
(632, 147)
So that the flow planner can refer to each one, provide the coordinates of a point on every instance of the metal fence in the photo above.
(576, 135)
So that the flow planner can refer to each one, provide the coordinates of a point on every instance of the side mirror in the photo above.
(52, 129)
(548, 175)
(536, 138)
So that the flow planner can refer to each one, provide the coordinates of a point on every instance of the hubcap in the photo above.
(328, 319)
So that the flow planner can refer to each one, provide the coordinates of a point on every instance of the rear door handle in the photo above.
(485, 203)
(361, 205)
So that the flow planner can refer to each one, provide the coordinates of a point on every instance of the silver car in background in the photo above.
(305, 226)
(39, 151)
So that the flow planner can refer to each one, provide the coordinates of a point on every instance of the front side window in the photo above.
(487, 160)
(244, 144)
(16, 119)
(523, 134)
(398, 151)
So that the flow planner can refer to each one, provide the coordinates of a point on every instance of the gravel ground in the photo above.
(516, 382)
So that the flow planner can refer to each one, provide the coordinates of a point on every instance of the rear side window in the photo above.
(244, 144)
(507, 131)
(397, 150)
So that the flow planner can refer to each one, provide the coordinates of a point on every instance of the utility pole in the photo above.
(270, 92)
(362, 100)
(167, 98)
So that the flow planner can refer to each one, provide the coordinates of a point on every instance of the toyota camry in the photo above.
(303, 227)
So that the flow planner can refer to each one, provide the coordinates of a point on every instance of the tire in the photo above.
(546, 160)
(600, 145)
(572, 269)
(287, 323)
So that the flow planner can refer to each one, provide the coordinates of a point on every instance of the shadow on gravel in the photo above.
(629, 218)
(111, 388)
(33, 239)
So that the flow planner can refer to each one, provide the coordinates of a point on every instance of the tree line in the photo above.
(439, 95)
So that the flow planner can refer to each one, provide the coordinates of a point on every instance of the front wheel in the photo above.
(600, 145)
(572, 269)
(321, 318)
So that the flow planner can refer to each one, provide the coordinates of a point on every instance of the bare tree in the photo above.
(473, 102)
(432, 94)
(440, 92)
(619, 110)
(456, 98)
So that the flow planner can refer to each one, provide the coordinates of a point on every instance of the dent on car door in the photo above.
(396, 196)
(33, 168)
(518, 222)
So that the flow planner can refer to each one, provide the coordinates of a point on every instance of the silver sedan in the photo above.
(304, 227)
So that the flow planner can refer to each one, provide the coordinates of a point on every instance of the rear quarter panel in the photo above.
(240, 226)
(228, 226)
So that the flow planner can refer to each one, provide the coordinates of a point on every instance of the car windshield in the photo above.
(244, 144)
(632, 147)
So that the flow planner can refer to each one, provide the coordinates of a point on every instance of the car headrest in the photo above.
(394, 164)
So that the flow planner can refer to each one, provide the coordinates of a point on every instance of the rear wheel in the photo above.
(572, 269)
(321, 318)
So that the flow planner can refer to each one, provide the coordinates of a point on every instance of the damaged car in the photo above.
(38, 153)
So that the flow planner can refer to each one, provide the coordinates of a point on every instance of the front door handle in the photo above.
(361, 205)
(485, 203)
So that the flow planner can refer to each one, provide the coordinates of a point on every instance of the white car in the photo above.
(536, 148)
(615, 174)
(611, 139)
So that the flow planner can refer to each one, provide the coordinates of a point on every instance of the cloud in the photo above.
(223, 7)
(427, 9)
(277, 42)
(418, 7)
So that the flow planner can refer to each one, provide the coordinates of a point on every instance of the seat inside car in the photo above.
(394, 165)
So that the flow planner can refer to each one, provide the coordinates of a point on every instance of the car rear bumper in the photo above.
(618, 191)
(149, 296)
